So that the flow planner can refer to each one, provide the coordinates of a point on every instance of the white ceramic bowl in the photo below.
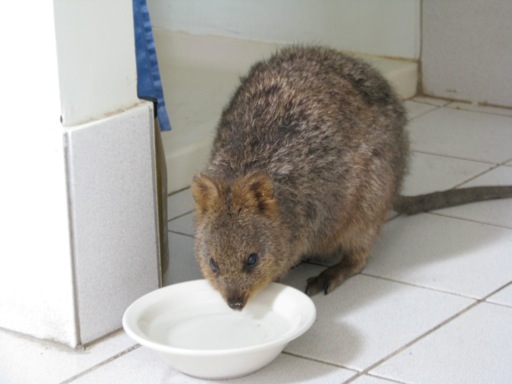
(198, 334)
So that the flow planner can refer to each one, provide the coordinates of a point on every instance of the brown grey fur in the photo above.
(308, 159)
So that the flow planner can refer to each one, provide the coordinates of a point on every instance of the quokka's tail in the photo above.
(410, 205)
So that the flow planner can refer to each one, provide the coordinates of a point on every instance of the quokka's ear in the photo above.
(206, 191)
(255, 191)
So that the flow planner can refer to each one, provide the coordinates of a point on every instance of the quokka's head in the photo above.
(238, 243)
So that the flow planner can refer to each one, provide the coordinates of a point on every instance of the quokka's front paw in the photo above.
(325, 282)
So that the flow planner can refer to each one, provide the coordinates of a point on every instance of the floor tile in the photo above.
(429, 173)
(459, 352)
(366, 319)
(447, 254)
(137, 366)
(143, 366)
(366, 379)
(182, 263)
(496, 212)
(26, 360)
(503, 297)
(179, 203)
(183, 225)
(480, 108)
(415, 109)
(430, 100)
(463, 134)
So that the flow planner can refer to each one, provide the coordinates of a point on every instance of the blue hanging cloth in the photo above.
(149, 83)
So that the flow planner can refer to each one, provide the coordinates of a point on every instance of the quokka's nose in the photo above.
(236, 303)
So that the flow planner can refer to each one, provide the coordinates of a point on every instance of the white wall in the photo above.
(79, 231)
(96, 60)
(35, 263)
(379, 27)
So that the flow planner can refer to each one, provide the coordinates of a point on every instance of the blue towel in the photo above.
(149, 83)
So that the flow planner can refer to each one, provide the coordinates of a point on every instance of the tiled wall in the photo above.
(467, 50)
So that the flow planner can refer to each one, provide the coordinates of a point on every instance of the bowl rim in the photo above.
(283, 340)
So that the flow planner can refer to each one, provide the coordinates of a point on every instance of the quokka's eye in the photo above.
(252, 260)
(213, 265)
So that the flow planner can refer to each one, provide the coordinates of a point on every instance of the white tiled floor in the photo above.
(434, 305)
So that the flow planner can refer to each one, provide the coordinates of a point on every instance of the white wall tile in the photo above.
(466, 50)
(113, 205)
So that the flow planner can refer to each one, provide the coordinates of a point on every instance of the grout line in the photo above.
(417, 286)
(485, 297)
(506, 305)
(450, 104)
(493, 163)
(486, 112)
(340, 366)
(361, 374)
(180, 216)
(181, 233)
(469, 220)
(425, 100)
(72, 242)
(101, 364)
(357, 374)
(505, 163)
(409, 119)
(461, 184)
(171, 194)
